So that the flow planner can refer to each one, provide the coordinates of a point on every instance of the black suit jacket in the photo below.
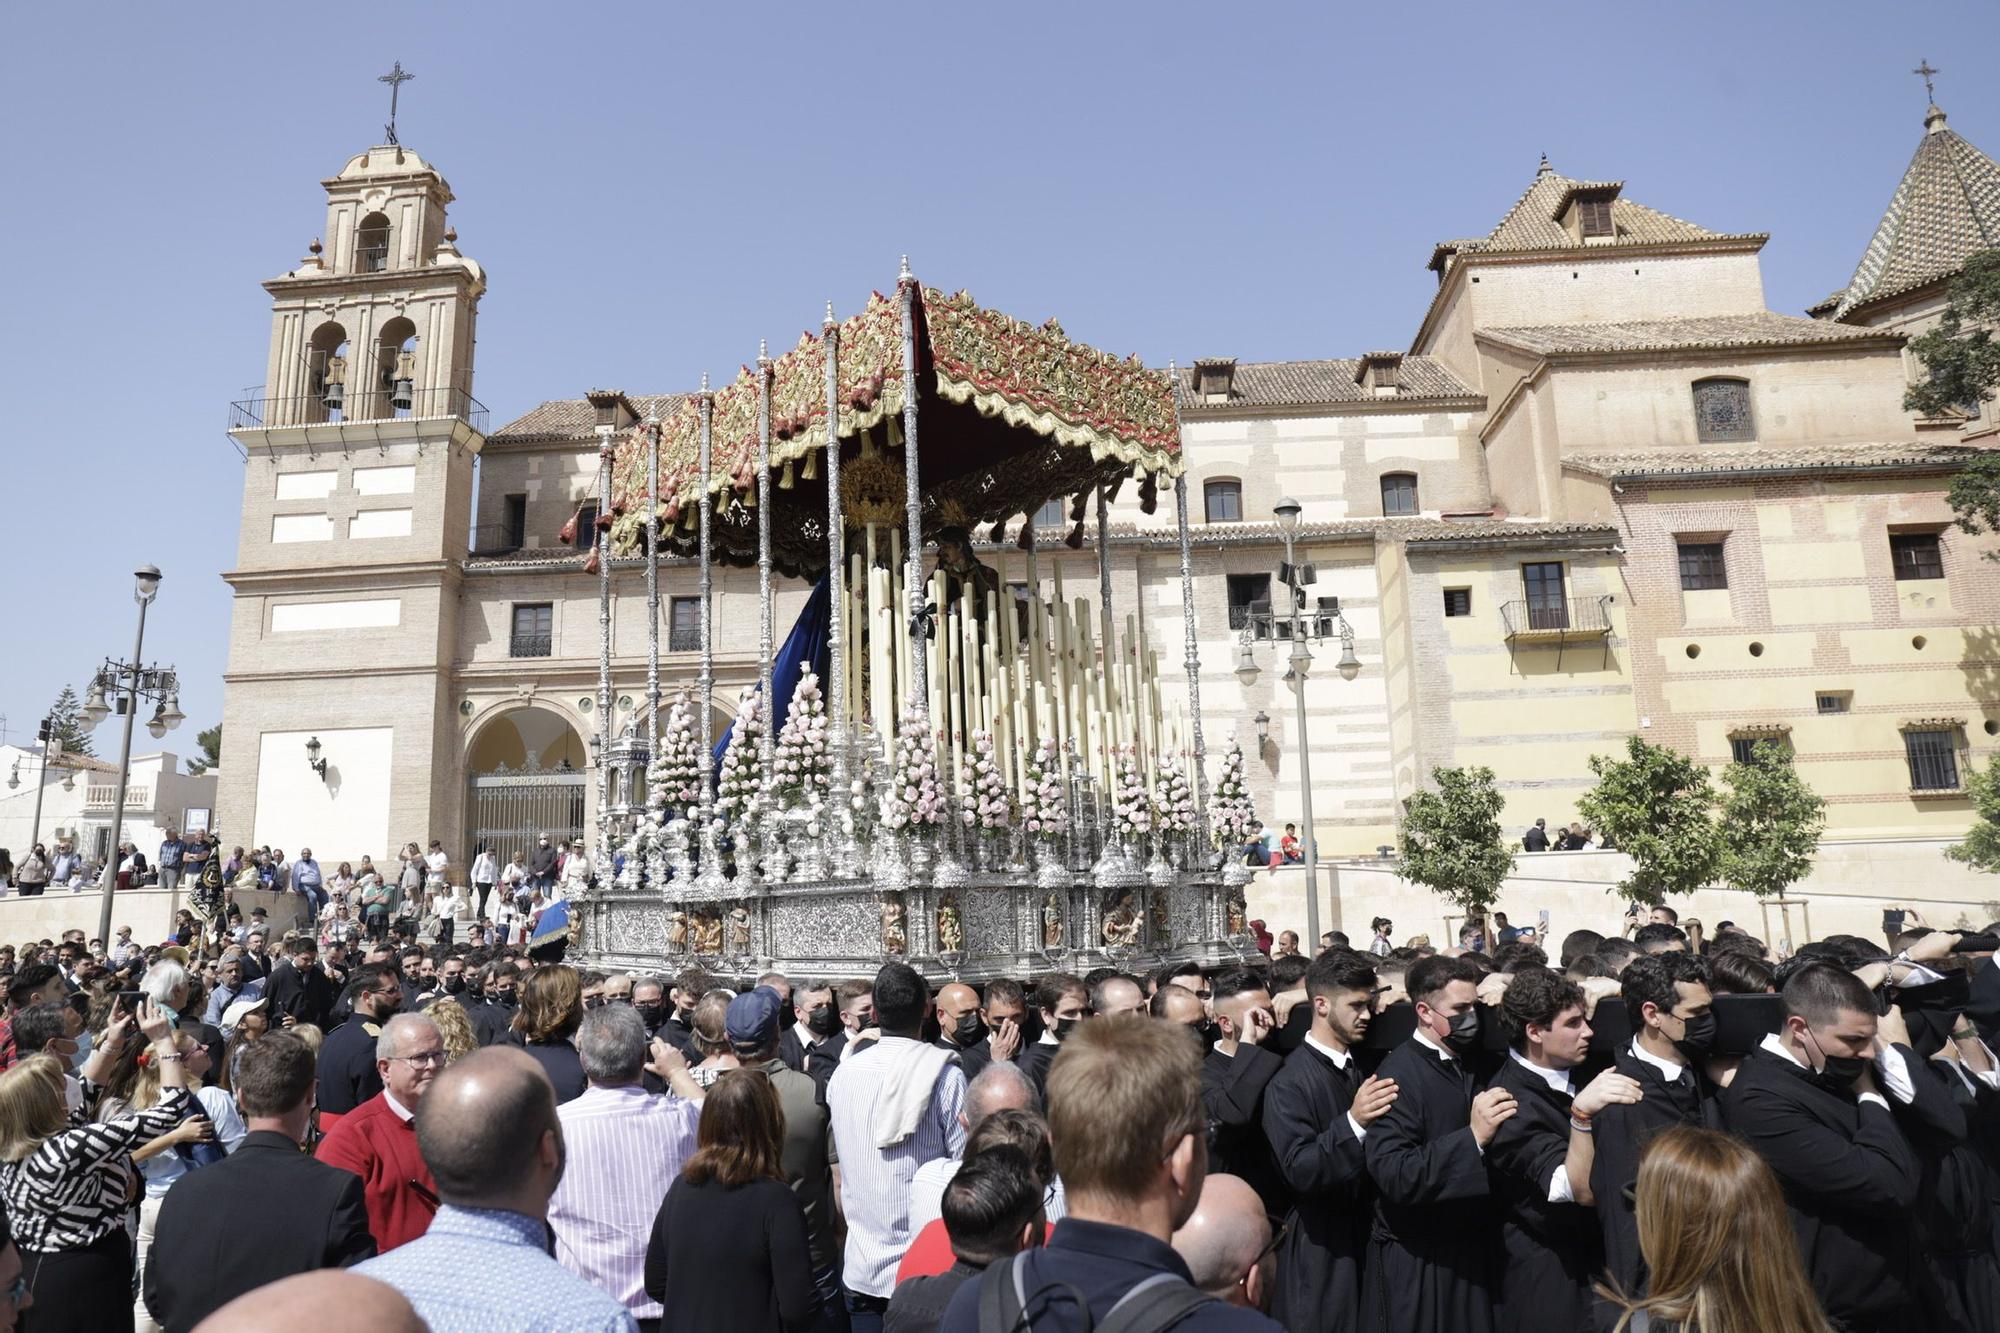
(307, 996)
(1232, 1095)
(218, 1235)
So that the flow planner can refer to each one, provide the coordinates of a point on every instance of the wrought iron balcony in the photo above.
(530, 645)
(1556, 620)
(356, 404)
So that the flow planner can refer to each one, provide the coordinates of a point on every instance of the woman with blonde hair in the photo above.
(711, 1039)
(1718, 1243)
(550, 1012)
(455, 1027)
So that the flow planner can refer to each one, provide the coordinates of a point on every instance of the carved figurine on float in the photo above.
(1234, 922)
(1123, 923)
(895, 939)
(950, 927)
(677, 932)
(1052, 922)
(739, 931)
(708, 933)
(1162, 921)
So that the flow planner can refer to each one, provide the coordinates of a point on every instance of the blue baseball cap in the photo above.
(752, 1019)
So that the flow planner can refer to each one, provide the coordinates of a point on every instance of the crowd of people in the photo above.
(1649, 1130)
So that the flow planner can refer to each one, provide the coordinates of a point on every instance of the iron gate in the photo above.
(511, 808)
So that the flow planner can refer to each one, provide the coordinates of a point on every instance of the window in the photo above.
(1593, 217)
(1832, 702)
(1458, 601)
(1250, 603)
(1916, 555)
(534, 623)
(1399, 493)
(514, 521)
(1933, 756)
(371, 244)
(1542, 584)
(1701, 566)
(586, 526)
(1222, 501)
(684, 625)
(1722, 411)
(1052, 514)
(1743, 749)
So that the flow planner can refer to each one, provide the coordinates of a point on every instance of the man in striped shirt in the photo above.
(625, 1145)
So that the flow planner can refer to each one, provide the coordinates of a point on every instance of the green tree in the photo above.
(210, 742)
(1655, 805)
(1771, 822)
(1961, 361)
(1981, 848)
(1451, 841)
(66, 715)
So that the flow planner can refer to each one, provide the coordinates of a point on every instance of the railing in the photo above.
(530, 645)
(497, 539)
(358, 404)
(104, 796)
(1571, 617)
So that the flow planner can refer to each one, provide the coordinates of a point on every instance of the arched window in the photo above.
(371, 244)
(1399, 493)
(396, 365)
(1722, 411)
(327, 379)
(1222, 500)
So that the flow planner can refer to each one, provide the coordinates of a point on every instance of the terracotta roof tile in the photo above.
(1294, 383)
(1763, 329)
(1531, 224)
(575, 418)
(1827, 457)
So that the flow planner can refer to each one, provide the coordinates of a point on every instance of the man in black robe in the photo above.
(1316, 1115)
(1062, 999)
(1670, 1009)
(1541, 1159)
(1814, 1100)
(1431, 1254)
(1234, 1076)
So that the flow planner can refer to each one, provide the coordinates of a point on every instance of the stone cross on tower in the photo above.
(1924, 72)
(395, 78)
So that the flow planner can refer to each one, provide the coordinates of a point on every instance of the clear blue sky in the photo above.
(653, 187)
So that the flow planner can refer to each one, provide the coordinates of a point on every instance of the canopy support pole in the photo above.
(1199, 758)
(913, 576)
(602, 857)
(846, 856)
(652, 591)
(709, 881)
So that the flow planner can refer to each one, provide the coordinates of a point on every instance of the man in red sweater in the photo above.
(378, 1139)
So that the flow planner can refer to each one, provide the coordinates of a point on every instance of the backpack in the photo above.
(1153, 1306)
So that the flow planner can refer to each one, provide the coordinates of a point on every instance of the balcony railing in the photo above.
(1566, 619)
(104, 796)
(497, 539)
(530, 645)
(358, 405)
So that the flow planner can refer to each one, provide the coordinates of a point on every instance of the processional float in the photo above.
(960, 768)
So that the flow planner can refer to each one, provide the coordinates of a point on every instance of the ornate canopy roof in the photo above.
(1010, 415)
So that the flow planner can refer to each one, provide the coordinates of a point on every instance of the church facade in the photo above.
(1602, 490)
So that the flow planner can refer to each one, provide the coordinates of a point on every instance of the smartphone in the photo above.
(1743, 1021)
(128, 1000)
(1892, 920)
(1543, 933)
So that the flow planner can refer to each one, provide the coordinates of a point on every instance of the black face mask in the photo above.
(821, 1021)
(1699, 1038)
(652, 1015)
(503, 998)
(1063, 1027)
(969, 1029)
(1840, 1072)
(1464, 1034)
(454, 985)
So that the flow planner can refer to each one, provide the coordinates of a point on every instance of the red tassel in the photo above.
(568, 533)
(591, 566)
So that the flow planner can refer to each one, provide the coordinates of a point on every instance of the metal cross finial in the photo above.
(1924, 72)
(395, 78)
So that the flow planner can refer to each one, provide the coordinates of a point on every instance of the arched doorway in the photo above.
(527, 775)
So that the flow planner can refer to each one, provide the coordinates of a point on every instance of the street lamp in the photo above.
(1263, 721)
(155, 683)
(313, 761)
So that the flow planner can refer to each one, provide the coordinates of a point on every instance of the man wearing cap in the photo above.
(624, 1146)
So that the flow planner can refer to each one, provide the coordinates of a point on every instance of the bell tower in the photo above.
(359, 455)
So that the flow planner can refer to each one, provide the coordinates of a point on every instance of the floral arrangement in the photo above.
(1044, 807)
(674, 776)
(1231, 808)
(801, 759)
(742, 781)
(912, 799)
(1131, 808)
(980, 775)
(1173, 799)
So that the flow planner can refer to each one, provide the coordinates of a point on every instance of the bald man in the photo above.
(1226, 1244)
(960, 1029)
(491, 1138)
(340, 1301)
(1117, 995)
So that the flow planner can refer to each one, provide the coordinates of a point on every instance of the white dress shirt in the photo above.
(1558, 1079)
(1340, 1059)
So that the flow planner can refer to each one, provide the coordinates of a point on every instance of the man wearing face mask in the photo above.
(1541, 1159)
(1062, 999)
(813, 1023)
(1317, 1111)
(1815, 1100)
(689, 987)
(448, 983)
(493, 1019)
(1670, 1008)
(1428, 1260)
(960, 1029)
(1235, 1070)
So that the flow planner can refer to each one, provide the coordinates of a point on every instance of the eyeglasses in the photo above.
(422, 1059)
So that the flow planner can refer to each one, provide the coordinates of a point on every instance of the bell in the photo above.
(400, 395)
(333, 396)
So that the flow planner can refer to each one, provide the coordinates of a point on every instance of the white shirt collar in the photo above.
(1424, 1038)
(1775, 1046)
(807, 1040)
(1558, 1079)
(403, 1113)
(1339, 1058)
(1668, 1070)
